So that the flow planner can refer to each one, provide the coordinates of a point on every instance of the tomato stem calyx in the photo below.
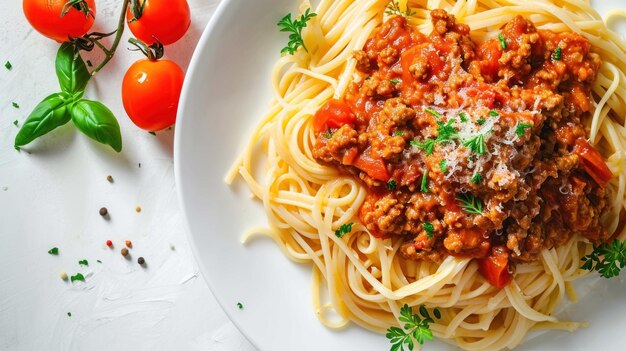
(136, 8)
(80, 5)
(153, 52)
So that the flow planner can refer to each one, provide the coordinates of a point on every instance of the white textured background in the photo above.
(51, 197)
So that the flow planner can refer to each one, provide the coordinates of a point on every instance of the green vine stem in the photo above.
(121, 24)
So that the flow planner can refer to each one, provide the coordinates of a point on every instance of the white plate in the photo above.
(226, 91)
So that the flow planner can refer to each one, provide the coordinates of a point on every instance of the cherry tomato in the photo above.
(45, 17)
(593, 162)
(333, 114)
(165, 20)
(150, 93)
(495, 267)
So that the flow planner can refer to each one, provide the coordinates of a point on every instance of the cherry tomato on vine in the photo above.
(60, 19)
(165, 20)
(150, 93)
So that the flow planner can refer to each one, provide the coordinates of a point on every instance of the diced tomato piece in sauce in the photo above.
(495, 268)
(593, 162)
(490, 52)
(333, 114)
(373, 165)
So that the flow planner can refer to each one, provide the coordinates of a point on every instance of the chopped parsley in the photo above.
(443, 165)
(398, 133)
(98, 261)
(493, 113)
(502, 41)
(15, 122)
(69, 314)
(415, 328)
(463, 117)
(477, 144)
(520, 129)
(477, 178)
(446, 132)
(328, 134)
(608, 259)
(343, 230)
(391, 185)
(394, 81)
(556, 56)
(15, 104)
(393, 8)
(76, 277)
(8, 65)
(481, 121)
(294, 27)
(429, 228)
(470, 204)
(54, 251)
(83, 262)
(240, 305)
(433, 112)
(424, 186)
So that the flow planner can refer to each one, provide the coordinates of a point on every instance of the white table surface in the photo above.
(51, 197)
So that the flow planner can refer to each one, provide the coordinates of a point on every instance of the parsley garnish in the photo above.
(425, 181)
(481, 121)
(446, 132)
(394, 81)
(54, 251)
(98, 261)
(343, 230)
(294, 26)
(78, 276)
(493, 113)
(429, 228)
(463, 117)
(240, 305)
(443, 165)
(477, 178)
(470, 204)
(607, 259)
(328, 134)
(69, 314)
(15, 122)
(391, 184)
(415, 328)
(15, 104)
(8, 65)
(557, 54)
(521, 128)
(398, 133)
(477, 144)
(502, 41)
(83, 262)
(393, 8)
(433, 112)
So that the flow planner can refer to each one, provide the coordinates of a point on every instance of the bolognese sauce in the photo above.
(472, 149)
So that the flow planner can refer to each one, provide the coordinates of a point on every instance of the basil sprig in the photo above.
(90, 117)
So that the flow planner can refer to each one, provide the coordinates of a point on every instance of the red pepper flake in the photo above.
(109, 243)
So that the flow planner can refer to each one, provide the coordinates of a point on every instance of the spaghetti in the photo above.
(365, 278)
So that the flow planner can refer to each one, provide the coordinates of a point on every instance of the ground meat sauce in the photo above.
(434, 119)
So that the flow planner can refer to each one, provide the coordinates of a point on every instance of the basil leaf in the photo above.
(97, 122)
(51, 113)
(71, 70)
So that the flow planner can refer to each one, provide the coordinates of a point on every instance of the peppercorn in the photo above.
(138, 208)
(141, 260)
(110, 179)
(124, 252)
(63, 275)
(104, 211)
(128, 243)
(109, 243)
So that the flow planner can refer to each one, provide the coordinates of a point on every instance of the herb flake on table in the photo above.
(15, 104)
(83, 263)
(8, 65)
(54, 251)
(240, 305)
(77, 276)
